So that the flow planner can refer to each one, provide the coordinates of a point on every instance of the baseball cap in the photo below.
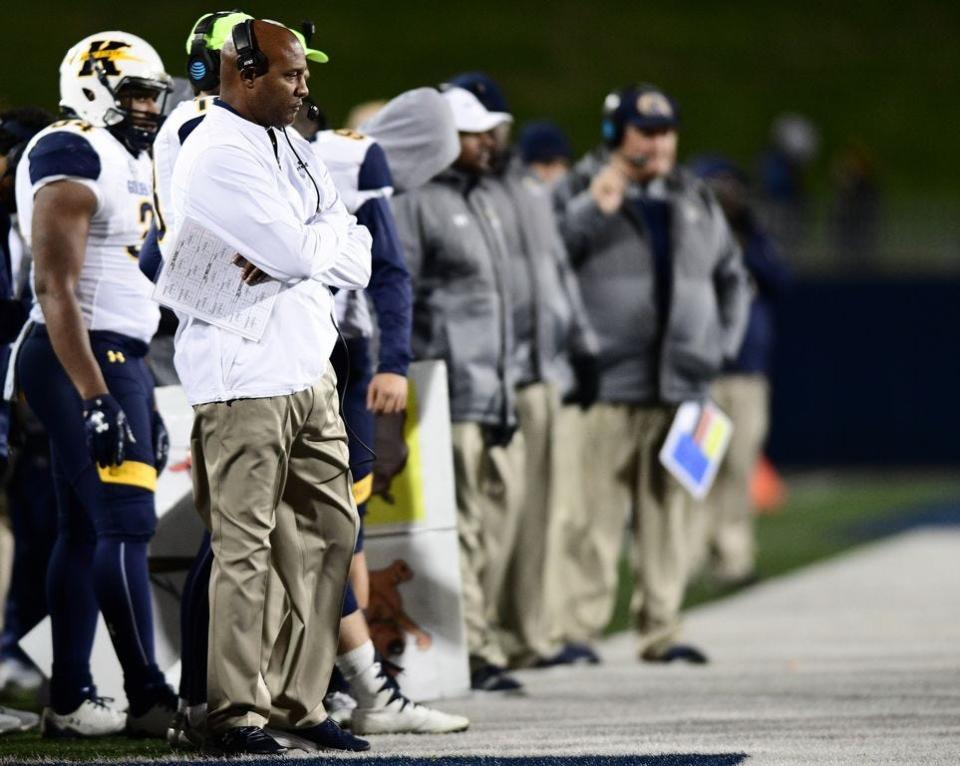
(222, 28)
(543, 142)
(709, 166)
(484, 87)
(469, 115)
(312, 53)
(644, 106)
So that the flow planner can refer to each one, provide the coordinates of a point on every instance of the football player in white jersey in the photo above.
(85, 200)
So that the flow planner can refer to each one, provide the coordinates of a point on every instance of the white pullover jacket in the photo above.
(247, 185)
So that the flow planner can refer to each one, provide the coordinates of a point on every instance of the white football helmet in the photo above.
(98, 67)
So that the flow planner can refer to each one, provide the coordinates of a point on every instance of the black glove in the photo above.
(391, 452)
(161, 442)
(499, 435)
(586, 369)
(107, 430)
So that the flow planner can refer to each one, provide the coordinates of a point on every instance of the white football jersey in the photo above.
(344, 152)
(166, 148)
(113, 293)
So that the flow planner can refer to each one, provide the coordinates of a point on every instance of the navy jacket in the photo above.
(770, 276)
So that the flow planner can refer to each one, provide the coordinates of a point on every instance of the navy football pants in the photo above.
(105, 520)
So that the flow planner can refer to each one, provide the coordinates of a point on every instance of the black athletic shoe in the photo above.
(325, 736)
(492, 678)
(678, 653)
(571, 654)
(243, 740)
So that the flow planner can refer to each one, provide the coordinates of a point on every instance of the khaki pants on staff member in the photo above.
(489, 490)
(579, 547)
(724, 529)
(248, 456)
(527, 604)
(621, 459)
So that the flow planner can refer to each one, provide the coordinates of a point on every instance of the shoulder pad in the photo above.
(374, 172)
(63, 153)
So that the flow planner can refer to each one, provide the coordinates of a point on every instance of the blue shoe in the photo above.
(323, 736)
(492, 678)
(571, 654)
(678, 653)
(243, 740)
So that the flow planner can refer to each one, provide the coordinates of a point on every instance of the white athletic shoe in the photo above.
(92, 719)
(155, 722)
(392, 713)
(25, 719)
(14, 672)
(9, 724)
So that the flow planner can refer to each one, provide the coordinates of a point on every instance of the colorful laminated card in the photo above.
(696, 444)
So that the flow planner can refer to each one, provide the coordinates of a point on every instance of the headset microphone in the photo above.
(638, 160)
(313, 112)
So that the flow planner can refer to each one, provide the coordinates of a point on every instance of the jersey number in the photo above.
(146, 219)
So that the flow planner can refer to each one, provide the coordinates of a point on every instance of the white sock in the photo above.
(356, 661)
(361, 669)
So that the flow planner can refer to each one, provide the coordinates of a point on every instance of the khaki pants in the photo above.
(621, 445)
(489, 490)
(527, 604)
(248, 456)
(723, 530)
(573, 567)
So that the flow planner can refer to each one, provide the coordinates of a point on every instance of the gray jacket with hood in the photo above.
(457, 258)
(612, 256)
(546, 294)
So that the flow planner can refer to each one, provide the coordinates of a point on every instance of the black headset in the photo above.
(203, 64)
(612, 127)
(249, 55)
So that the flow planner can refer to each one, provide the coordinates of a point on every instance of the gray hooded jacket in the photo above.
(613, 260)
(457, 258)
(418, 135)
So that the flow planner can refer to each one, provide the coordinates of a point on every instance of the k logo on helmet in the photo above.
(107, 52)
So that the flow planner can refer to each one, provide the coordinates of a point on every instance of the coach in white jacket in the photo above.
(267, 425)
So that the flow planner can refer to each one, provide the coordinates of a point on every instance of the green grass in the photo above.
(824, 515)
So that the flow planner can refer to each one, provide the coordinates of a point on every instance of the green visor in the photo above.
(312, 53)
(222, 28)
(219, 33)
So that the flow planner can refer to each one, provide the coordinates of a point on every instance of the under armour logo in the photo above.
(99, 422)
(106, 52)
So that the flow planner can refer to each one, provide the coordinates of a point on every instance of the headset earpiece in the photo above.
(610, 130)
(249, 55)
(203, 65)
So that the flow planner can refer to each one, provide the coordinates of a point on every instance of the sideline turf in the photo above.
(826, 514)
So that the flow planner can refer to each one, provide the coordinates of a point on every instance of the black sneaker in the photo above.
(678, 653)
(243, 740)
(571, 654)
(323, 736)
(492, 678)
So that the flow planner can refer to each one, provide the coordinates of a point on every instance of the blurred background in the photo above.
(845, 117)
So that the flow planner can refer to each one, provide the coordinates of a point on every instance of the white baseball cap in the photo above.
(469, 115)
